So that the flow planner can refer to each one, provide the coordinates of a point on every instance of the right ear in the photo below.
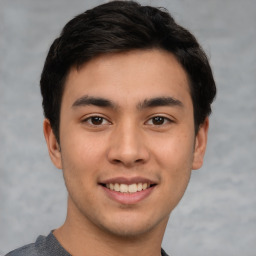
(52, 144)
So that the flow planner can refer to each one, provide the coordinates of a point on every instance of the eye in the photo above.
(96, 120)
(158, 120)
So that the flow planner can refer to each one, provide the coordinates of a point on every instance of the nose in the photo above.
(128, 146)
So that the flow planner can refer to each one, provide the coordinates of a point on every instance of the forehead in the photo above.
(128, 76)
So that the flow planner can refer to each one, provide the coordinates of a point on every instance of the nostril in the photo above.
(127, 162)
(116, 161)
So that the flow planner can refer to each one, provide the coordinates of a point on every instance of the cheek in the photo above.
(81, 147)
(177, 152)
(80, 158)
(80, 168)
(175, 159)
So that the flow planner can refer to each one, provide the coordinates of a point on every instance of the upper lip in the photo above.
(128, 180)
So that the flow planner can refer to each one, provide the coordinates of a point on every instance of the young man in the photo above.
(126, 97)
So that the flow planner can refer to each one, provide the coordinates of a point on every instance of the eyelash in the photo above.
(103, 121)
(89, 120)
(161, 118)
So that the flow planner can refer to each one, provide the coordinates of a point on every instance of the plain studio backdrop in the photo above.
(217, 215)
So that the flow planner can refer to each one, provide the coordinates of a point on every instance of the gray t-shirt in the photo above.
(45, 246)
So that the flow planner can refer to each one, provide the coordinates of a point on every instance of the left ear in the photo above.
(52, 144)
(200, 145)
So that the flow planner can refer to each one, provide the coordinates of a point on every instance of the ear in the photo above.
(52, 144)
(200, 145)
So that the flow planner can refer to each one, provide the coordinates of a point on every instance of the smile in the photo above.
(124, 188)
(128, 191)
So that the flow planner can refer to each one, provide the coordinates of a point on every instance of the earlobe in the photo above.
(52, 144)
(200, 145)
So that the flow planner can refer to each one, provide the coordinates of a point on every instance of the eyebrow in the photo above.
(159, 102)
(96, 101)
(147, 103)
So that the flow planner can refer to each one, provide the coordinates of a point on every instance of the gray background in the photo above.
(217, 214)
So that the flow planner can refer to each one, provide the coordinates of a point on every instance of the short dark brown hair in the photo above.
(120, 26)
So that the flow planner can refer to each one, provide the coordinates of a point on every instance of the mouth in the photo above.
(128, 191)
(128, 188)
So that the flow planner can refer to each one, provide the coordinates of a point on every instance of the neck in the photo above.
(80, 237)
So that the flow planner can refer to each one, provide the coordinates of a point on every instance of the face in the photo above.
(127, 141)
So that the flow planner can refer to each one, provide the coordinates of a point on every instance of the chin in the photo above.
(132, 226)
(128, 231)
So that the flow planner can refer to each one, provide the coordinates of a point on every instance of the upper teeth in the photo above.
(124, 188)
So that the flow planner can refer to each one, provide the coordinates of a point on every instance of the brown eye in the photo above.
(96, 121)
(158, 120)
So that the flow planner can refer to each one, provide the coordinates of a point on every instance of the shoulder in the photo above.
(44, 246)
(163, 253)
(29, 249)
(24, 250)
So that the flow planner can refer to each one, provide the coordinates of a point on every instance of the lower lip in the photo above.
(128, 198)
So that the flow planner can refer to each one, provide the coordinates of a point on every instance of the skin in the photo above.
(133, 138)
